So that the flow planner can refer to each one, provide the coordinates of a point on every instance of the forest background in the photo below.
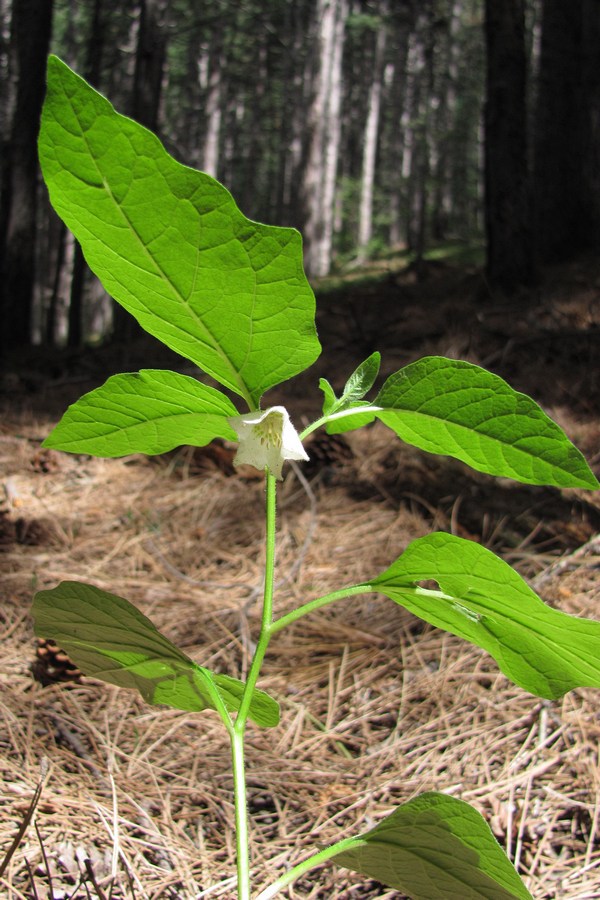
(367, 124)
(387, 132)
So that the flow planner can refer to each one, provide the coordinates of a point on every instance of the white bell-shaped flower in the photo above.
(267, 438)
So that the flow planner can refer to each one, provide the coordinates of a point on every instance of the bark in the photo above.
(566, 158)
(423, 157)
(445, 148)
(508, 204)
(417, 141)
(210, 163)
(52, 313)
(30, 37)
(92, 70)
(149, 63)
(321, 170)
(147, 87)
(371, 135)
(395, 121)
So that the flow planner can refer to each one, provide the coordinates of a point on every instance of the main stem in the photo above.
(237, 731)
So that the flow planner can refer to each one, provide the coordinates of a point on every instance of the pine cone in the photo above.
(327, 452)
(52, 665)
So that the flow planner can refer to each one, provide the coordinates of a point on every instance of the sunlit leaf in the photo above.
(348, 420)
(171, 246)
(329, 398)
(360, 382)
(362, 379)
(454, 408)
(482, 599)
(150, 411)
(109, 638)
(435, 847)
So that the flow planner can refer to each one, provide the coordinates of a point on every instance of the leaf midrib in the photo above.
(428, 417)
(160, 271)
(525, 622)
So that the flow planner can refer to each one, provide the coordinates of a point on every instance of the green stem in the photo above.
(238, 729)
(305, 866)
(319, 603)
(241, 816)
(341, 414)
(267, 609)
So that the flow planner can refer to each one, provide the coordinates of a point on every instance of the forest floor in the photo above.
(376, 706)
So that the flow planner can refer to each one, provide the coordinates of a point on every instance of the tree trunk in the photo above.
(445, 139)
(150, 59)
(371, 135)
(30, 38)
(92, 70)
(395, 120)
(566, 157)
(508, 206)
(321, 169)
(210, 162)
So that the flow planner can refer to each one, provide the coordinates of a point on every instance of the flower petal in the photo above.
(267, 438)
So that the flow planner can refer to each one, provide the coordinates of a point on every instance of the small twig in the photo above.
(31, 880)
(80, 883)
(44, 766)
(45, 858)
(89, 869)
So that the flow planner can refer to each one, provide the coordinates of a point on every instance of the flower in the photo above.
(267, 438)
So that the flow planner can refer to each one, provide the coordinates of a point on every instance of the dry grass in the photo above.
(376, 707)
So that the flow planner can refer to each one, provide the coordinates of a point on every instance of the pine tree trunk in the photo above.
(371, 135)
(566, 158)
(147, 84)
(93, 68)
(441, 205)
(30, 37)
(321, 169)
(508, 206)
(210, 162)
(150, 60)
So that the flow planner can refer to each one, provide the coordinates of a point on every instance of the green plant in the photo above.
(230, 295)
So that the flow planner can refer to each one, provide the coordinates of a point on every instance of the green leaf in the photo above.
(483, 600)
(171, 246)
(329, 398)
(435, 847)
(362, 379)
(454, 408)
(360, 382)
(108, 638)
(150, 411)
(347, 420)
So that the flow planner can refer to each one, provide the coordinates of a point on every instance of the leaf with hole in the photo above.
(482, 599)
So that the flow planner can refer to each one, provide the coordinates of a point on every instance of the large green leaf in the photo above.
(454, 408)
(435, 847)
(150, 411)
(483, 600)
(171, 246)
(108, 638)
